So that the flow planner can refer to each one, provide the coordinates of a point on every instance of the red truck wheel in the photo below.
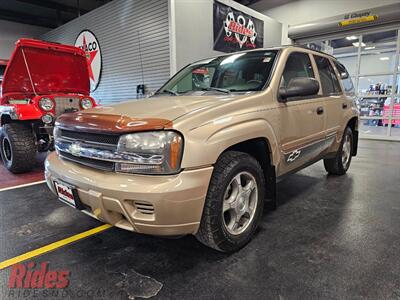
(18, 147)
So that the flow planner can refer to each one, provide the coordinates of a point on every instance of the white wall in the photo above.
(125, 65)
(194, 29)
(10, 32)
(303, 11)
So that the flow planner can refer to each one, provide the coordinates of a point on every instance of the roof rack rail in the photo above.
(318, 51)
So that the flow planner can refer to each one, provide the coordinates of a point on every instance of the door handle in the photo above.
(320, 110)
(344, 105)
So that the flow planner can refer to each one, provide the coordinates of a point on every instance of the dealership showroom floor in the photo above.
(331, 237)
(142, 151)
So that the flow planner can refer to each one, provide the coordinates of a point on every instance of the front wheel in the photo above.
(234, 202)
(18, 148)
(341, 162)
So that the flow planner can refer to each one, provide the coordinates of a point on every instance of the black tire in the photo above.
(213, 232)
(335, 166)
(18, 148)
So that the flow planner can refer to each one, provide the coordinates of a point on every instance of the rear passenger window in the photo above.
(297, 65)
(329, 82)
(345, 79)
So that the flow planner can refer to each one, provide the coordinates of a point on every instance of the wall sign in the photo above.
(87, 41)
(235, 30)
(356, 18)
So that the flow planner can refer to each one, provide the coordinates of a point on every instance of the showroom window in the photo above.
(372, 61)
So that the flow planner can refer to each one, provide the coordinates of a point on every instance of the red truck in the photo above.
(3, 65)
(42, 81)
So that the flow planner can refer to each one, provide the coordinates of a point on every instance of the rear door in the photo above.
(302, 119)
(333, 97)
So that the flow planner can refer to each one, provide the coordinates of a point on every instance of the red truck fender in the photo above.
(20, 112)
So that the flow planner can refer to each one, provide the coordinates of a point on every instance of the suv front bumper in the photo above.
(156, 205)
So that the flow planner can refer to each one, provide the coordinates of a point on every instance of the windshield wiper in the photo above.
(169, 92)
(216, 89)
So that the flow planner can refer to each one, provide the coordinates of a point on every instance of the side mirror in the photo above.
(298, 87)
(344, 75)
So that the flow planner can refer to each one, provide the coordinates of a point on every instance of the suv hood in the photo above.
(146, 114)
(38, 67)
(164, 107)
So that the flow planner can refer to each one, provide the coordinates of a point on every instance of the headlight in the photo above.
(157, 152)
(46, 104)
(86, 103)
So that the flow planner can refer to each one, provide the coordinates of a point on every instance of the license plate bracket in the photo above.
(68, 194)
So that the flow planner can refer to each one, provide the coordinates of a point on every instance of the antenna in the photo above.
(140, 57)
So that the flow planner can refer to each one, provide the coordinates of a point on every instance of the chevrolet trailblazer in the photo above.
(201, 155)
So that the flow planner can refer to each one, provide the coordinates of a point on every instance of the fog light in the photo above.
(47, 119)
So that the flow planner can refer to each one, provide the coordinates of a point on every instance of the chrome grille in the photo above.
(111, 139)
(66, 104)
(101, 142)
(99, 151)
(93, 163)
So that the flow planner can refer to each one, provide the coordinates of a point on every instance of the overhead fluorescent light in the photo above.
(356, 44)
(351, 38)
(369, 48)
(384, 58)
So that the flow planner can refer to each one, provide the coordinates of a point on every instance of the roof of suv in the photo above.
(287, 46)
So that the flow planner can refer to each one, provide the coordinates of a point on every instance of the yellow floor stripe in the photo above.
(52, 246)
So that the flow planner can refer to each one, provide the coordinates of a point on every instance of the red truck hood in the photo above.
(38, 67)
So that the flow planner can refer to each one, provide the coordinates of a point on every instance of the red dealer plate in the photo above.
(65, 193)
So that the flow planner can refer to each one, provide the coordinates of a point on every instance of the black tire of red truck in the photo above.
(18, 148)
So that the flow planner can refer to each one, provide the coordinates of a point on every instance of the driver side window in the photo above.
(196, 80)
(297, 65)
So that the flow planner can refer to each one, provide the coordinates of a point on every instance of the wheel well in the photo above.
(260, 149)
(5, 119)
(353, 125)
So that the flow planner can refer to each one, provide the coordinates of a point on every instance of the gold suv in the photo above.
(203, 154)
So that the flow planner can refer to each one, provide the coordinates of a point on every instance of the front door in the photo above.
(302, 120)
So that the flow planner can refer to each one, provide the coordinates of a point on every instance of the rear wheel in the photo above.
(18, 148)
(341, 162)
(234, 202)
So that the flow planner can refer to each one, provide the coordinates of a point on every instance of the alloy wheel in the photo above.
(7, 152)
(346, 151)
(240, 202)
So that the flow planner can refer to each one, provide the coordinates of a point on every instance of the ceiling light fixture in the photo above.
(356, 44)
(384, 58)
(351, 38)
(369, 47)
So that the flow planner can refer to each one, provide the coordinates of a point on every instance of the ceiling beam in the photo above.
(56, 6)
(247, 2)
(25, 18)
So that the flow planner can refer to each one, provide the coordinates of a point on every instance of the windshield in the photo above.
(239, 72)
